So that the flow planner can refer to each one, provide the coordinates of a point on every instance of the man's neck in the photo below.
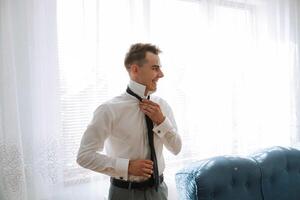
(146, 92)
(138, 88)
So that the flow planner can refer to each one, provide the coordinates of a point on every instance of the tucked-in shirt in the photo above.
(119, 126)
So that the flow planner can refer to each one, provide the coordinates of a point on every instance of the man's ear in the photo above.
(134, 68)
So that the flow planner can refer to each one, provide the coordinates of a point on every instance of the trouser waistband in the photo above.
(135, 185)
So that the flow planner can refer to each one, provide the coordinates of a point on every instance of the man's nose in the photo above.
(161, 74)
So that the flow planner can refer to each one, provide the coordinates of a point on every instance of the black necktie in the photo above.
(155, 175)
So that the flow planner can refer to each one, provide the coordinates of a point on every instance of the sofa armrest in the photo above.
(223, 177)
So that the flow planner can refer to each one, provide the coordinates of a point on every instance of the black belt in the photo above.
(135, 185)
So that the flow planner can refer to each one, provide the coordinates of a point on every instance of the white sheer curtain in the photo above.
(231, 76)
(30, 142)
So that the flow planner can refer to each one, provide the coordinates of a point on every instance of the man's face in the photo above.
(150, 72)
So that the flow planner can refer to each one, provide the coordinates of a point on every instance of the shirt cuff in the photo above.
(163, 128)
(122, 168)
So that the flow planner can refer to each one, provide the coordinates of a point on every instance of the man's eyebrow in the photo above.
(158, 66)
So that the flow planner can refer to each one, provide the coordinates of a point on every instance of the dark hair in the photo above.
(137, 53)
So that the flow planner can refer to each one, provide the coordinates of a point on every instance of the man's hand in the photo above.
(140, 168)
(152, 110)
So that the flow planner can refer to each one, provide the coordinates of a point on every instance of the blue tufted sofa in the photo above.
(271, 174)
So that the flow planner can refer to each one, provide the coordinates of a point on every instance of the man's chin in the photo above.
(152, 90)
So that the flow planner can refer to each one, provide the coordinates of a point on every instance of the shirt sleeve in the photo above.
(163, 128)
(167, 130)
(92, 143)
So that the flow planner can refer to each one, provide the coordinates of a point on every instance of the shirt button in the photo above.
(158, 131)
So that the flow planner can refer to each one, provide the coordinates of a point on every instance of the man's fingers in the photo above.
(147, 175)
(148, 171)
(148, 166)
(148, 105)
(146, 101)
(149, 109)
(146, 111)
(149, 161)
(141, 167)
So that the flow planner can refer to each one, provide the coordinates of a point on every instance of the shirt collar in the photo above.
(139, 89)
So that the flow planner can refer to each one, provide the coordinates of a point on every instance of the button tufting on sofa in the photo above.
(271, 174)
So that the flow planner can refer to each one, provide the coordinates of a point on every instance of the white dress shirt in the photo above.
(119, 125)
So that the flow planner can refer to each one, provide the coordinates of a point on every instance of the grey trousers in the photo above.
(116, 193)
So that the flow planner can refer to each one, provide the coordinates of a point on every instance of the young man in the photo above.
(134, 128)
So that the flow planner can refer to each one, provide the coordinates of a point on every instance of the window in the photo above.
(225, 72)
